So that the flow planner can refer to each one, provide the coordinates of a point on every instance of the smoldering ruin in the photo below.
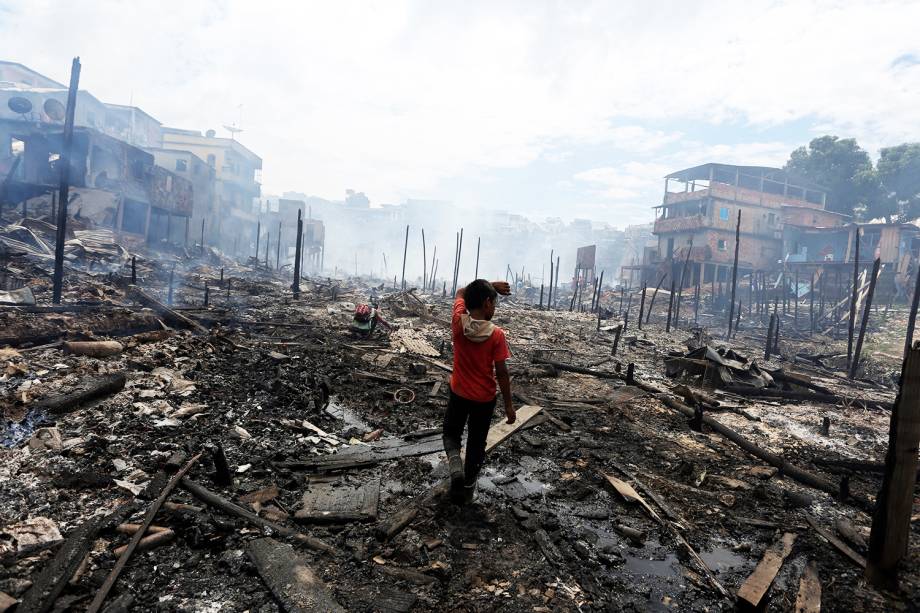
(715, 410)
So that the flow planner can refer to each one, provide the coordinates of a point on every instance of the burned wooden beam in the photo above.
(290, 579)
(88, 390)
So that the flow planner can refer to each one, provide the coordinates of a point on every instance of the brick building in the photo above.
(701, 204)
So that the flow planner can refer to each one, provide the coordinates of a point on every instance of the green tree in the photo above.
(843, 167)
(899, 174)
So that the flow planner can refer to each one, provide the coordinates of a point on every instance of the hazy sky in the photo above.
(572, 109)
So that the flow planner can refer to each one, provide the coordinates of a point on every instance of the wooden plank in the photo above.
(291, 580)
(809, 598)
(754, 588)
(626, 491)
(327, 502)
(368, 456)
(836, 542)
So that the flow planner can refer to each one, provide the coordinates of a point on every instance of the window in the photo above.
(771, 219)
(722, 245)
(182, 165)
(723, 213)
(211, 160)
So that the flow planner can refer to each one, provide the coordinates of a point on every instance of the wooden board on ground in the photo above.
(328, 502)
(754, 588)
(836, 542)
(809, 598)
(290, 579)
(387, 449)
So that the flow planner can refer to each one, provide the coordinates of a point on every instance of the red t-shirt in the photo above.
(474, 363)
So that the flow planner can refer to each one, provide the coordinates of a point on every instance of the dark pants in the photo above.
(479, 415)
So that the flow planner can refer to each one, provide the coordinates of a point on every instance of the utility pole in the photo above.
(64, 191)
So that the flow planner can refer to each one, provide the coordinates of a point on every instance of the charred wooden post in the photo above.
(731, 312)
(424, 263)
(630, 374)
(298, 246)
(865, 318)
(616, 339)
(64, 188)
(737, 320)
(795, 296)
(207, 293)
(221, 276)
(892, 518)
(776, 330)
(277, 250)
(768, 348)
(549, 296)
(642, 304)
(600, 288)
(556, 281)
(476, 273)
(683, 277)
(169, 292)
(541, 298)
(670, 307)
(811, 304)
(258, 237)
(696, 297)
(851, 325)
(912, 317)
(133, 270)
(268, 242)
(222, 475)
(651, 303)
(202, 240)
(593, 294)
(626, 318)
(696, 422)
(826, 426)
(402, 283)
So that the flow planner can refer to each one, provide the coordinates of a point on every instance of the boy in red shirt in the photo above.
(480, 351)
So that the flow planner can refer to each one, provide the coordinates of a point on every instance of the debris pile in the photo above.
(203, 440)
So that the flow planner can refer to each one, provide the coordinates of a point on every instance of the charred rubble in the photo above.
(184, 432)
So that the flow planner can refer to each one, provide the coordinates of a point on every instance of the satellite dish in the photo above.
(20, 105)
(54, 109)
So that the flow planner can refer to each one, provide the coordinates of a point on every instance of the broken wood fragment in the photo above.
(171, 317)
(405, 574)
(218, 502)
(836, 542)
(330, 503)
(89, 390)
(755, 587)
(289, 578)
(94, 349)
(130, 529)
(809, 596)
(153, 539)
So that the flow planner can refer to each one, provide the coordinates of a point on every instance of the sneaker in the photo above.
(457, 479)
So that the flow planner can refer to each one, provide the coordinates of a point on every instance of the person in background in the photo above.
(480, 351)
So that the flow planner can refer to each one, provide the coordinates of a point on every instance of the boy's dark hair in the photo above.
(477, 292)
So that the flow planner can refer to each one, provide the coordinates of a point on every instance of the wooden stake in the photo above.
(651, 303)
(865, 318)
(852, 323)
(298, 247)
(912, 317)
(670, 306)
(642, 304)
